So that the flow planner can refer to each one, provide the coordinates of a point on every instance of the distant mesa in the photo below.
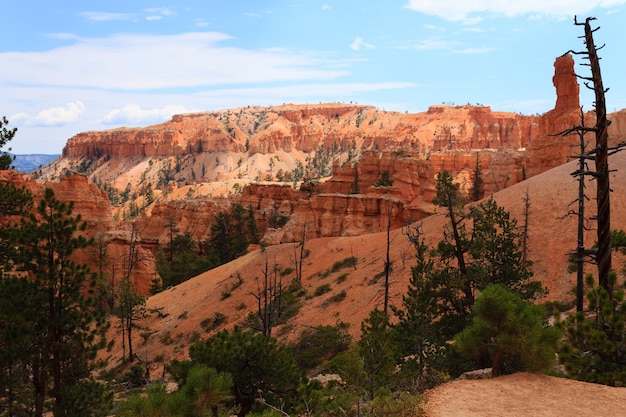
(30, 162)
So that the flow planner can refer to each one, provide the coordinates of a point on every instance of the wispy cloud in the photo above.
(469, 51)
(163, 62)
(55, 116)
(157, 13)
(150, 14)
(108, 17)
(301, 91)
(462, 10)
(474, 29)
(429, 44)
(359, 43)
(435, 27)
(136, 115)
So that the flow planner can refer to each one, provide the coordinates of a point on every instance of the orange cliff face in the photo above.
(110, 238)
(247, 149)
(256, 143)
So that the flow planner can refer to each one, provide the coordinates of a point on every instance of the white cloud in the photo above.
(326, 7)
(434, 43)
(359, 43)
(55, 116)
(163, 11)
(289, 93)
(469, 51)
(141, 62)
(157, 13)
(474, 29)
(135, 115)
(434, 27)
(460, 10)
(107, 17)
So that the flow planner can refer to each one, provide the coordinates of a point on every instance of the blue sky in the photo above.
(73, 66)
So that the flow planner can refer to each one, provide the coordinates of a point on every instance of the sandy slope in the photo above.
(185, 306)
(525, 394)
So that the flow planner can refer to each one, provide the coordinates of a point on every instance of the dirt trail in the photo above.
(525, 394)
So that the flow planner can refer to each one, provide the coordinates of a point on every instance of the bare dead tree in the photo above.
(171, 228)
(131, 305)
(600, 153)
(298, 258)
(414, 234)
(387, 260)
(580, 255)
(269, 296)
(525, 226)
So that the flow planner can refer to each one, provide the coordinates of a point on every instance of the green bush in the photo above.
(213, 322)
(341, 278)
(340, 296)
(349, 262)
(321, 290)
(320, 344)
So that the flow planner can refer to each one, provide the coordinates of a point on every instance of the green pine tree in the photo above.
(480, 246)
(69, 330)
(260, 367)
(378, 350)
(6, 135)
(231, 233)
(476, 192)
(129, 308)
(509, 333)
(594, 349)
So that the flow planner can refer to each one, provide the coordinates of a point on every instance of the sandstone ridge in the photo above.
(195, 165)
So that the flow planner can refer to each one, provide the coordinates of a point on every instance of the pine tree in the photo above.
(497, 255)
(14, 202)
(508, 332)
(594, 349)
(231, 233)
(185, 263)
(69, 329)
(378, 351)
(422, 320)
(130, 307)
(476, 192)
(480, 247)
(18, 344)
(455, 244)
(206, 389)
(6, 135)
(260, 367)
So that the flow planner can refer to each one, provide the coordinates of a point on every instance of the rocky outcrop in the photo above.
(358, 143)
(109, 252)
(566, 85)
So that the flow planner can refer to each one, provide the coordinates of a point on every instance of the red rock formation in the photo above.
(257, 143)
(92, 204)
(566, 84)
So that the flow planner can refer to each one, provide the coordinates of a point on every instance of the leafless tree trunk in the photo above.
(600, 153)
(297, 258)
(269, 298)
(387, 261)
(525, 231)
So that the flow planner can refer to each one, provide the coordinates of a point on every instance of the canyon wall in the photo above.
(255, 151)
